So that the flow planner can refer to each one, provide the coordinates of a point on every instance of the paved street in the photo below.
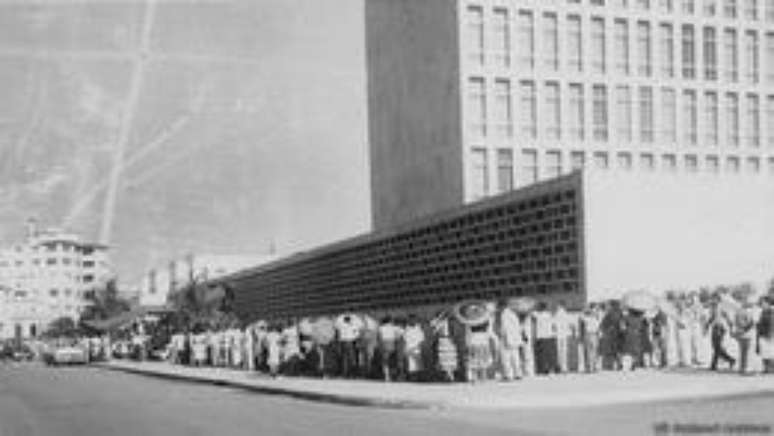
(36, 400)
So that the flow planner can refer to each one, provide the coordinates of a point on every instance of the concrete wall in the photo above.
(671, 231)
(414, 108)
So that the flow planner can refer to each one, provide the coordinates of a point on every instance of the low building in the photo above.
(577, 238)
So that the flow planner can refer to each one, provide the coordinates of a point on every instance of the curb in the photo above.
(348, 400)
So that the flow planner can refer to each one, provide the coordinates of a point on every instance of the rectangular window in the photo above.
(529, 166)
(669, 163)
(710, 8)
(598, 45)
(753, 118)
(731, 57)
(647, 162)
(528, 109)
(643, 48)
(712, 164)
(753, 165)
(621, 44)
(577, 160)
(477, 104)
(552, 116)
(751, 9)
(643, 4)
(732, 164)
(770, 58)
(710, 54)
(666, 40)
(690, 117)
(770, 120)
(553, 164)
(599, 112)
(689, 52)
(503, 110)
(526, 39)
(550, 41)
(502, 37)
(625, 161)
(504, 170)
(476, 34)
(751, 56)
(600, 160)
(669, 115)
(574, 43)
(711, 117)
(688, 6)
(665, 6)
(623, 113)
(575, 119)
(646, 114)
(771, 166)
(732, 118)
(770, 11)
(480, 176)
(691, 163)
(729, 8)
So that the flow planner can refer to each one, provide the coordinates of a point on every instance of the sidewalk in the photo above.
(570, 390)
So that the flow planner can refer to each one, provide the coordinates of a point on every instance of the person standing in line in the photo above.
(291, 350)
(367, 344)
(511, 340)
(445, 348)
(632, 347)
(414, 337)
(744, 331)
(589, 332)
(545, 341)
(527, 347)
(388, 334)
(659, 332)
(765, 335)
(273, 347)
(563, 332)
(719, 326)
(249, 358)
(348, 330)
(480, 341)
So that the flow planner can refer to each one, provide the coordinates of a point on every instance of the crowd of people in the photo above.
(507, 341)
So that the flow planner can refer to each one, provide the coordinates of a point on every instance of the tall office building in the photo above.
(470, 98)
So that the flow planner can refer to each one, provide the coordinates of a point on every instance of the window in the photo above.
(690, 118)
(53, 292)
(503, 112)
(553, 163)
(647, 162)
(625, 161)
(710, 7)
(577, 160)
(689, 54)
(771, 166)
(476, 34)
(753, 128)
(623, 113)
(477, 103)
(753, 165)
(688, 6)
(729, 8)
(666, 41)
(643, 48)
(770, 120)
(504, 170)
(710, 54)
(574, 43)
(621, 46)
(665, 5)
(732, 116)
(550, 41)
(669, 163)
(66, 261)
(598, 45)
(711, 117)
(600, 160)
(751, 56)
(669, 115)
(750, 9)
(480, 173)
(528, 109)
(599, 113)
(643, 4)
(732, 165)
(770, 57)
(553, 111)
(731, 57)
(530, 168)
(51, 261)
(502, 37)
(712, 164)
(691, 163)
(646, 114)
(575, 119)
(526, 39)
(770, 11)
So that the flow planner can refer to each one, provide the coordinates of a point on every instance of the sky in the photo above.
(247, 130)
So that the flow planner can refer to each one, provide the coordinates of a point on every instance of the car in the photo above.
(68, 354)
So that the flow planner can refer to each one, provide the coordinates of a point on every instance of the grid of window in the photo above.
(710, 54)
(731, 55)
(751, 56)
(753, 127)
(479, 173)
(553, 117)
(689, 52)
(502, 37)
(623, 113)
(598, 49)
(643, 49)
(666, 41)
(526, 39)
(503, 110)
(574, 43)
(529, 163)
(690, 117)
(528, 108)
(599, 113)
(476, 34)
(711, 117)
(621, 46)
(550, 46)
(504, 170)
(646, 114)
(732, 118)
(668, 115)
(477, 106)
(575, 119)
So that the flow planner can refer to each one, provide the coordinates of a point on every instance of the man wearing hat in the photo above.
(511, 340)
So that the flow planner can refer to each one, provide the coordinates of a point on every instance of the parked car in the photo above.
(65, 354)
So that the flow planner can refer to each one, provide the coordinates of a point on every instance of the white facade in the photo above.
(677, 232)
(46, 277)
(642, 85)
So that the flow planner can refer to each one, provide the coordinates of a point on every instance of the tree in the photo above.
(105, 303)
(64, 326)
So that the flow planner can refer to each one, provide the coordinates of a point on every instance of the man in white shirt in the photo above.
(563, 332)
(511, 339)
(348, 328)
(545, 340)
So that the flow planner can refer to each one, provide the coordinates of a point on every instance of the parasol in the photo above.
(324, 331)
(642, 301)
(522, 304)
(472, 313)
